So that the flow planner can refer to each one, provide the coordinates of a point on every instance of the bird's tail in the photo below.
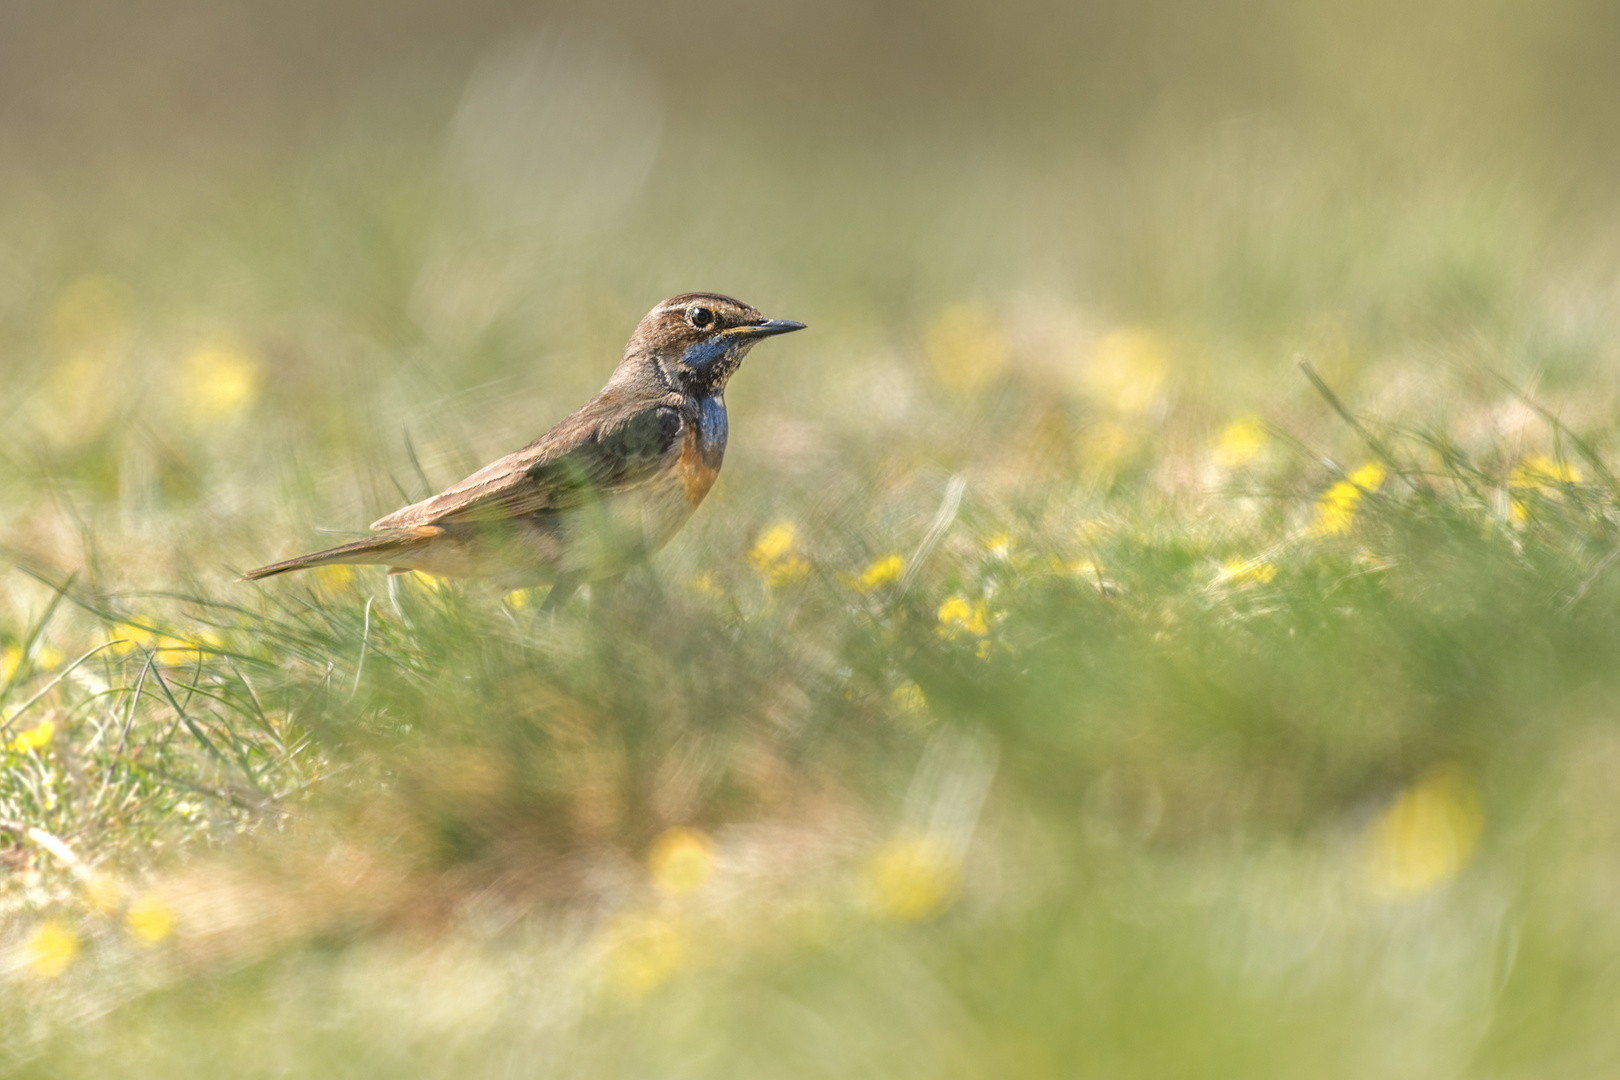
(372, 550)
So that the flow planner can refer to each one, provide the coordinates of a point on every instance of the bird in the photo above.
(610, 484)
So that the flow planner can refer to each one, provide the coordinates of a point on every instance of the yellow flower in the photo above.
(776, 556)
(218, 380)
(909, 699)
(1336, 507)
(885, 571)
(1538, 472)
(1126, 369)
(1240, 442)
(149, 919)
(958, 616)
(334, 578)
(1425, 836)
(912, 877)
(36, 738)
(1256, 570)
(11, 658)
(965, 348)
(209, 638)
(999, 546)
(640, 952)
(773, 544)
(50, 949)
(1369, 476)
(705, 585)
(681, 861)
(132, 638)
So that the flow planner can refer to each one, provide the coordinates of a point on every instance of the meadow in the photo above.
(1160, 619)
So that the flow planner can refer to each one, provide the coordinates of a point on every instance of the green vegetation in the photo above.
(1062, 680)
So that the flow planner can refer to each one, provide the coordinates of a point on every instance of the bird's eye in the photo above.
(701, 318)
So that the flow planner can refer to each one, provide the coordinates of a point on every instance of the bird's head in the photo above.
(696, 340)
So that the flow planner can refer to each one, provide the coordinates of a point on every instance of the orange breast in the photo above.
(697, 475)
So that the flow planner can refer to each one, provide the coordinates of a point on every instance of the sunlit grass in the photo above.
(1045, 689)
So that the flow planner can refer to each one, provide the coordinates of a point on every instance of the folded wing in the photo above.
(603, 449)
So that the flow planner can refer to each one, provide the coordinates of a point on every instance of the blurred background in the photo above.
(1058, 682)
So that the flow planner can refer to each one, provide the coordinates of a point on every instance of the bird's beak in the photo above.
(767, 328)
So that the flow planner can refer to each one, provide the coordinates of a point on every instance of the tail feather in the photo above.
(373, 549)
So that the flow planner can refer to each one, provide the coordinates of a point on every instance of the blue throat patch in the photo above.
(710, 364)
(712, 428)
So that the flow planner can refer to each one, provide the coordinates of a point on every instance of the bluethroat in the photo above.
(608, 485)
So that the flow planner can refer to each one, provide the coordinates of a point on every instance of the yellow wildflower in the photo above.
(999, 546)
(912, 877)
(640, 952)
(334, 578)
(149, 919)
(681, 861)
(50, 949)
(704, 585)
(1126, 369)
(1538, 472)
(965, 348)
(218, 380)
(131, 638)
(1369, 476)
(884, 571)
(958, 616)
(773, 544)
(36, 738)
(1255, 570)
(776, 557)
(908, 698)
(1240, 442)
(44, 659)
(1336, 507)
(1425, 836)
(208, 638)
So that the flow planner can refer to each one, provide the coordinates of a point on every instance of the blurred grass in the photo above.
(1058, 682)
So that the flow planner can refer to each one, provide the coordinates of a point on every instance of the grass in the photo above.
(1061, 681)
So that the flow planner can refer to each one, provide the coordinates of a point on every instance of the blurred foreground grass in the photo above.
(1059, 682)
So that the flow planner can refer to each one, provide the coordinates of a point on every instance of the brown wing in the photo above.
(602, 449)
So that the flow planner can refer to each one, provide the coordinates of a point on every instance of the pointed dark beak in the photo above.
(768, 328)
